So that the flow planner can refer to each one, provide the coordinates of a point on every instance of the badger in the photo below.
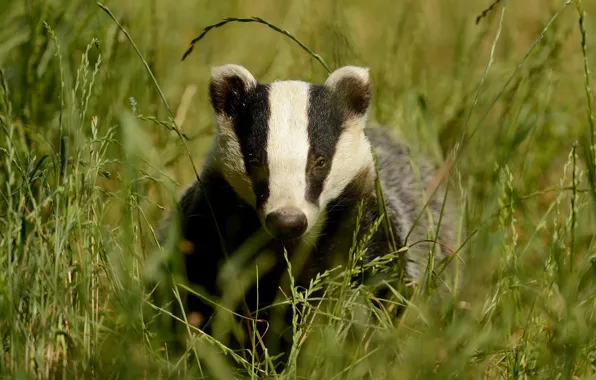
(293, 161)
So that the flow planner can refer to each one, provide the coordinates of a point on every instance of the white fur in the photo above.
(227, 154)
(228, 157)
(361, 73)
(287, 149)
(353, 151)
(220, 73)
(352, 154)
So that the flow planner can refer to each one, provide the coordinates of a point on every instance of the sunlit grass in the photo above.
(93, 153)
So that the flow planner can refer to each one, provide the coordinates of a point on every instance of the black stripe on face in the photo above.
(251, 125)
(325, 122)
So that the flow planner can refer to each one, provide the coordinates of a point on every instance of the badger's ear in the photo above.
(352, 86)
(229, 86)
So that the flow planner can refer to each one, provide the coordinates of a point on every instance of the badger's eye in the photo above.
(254, 162)
(320, 163)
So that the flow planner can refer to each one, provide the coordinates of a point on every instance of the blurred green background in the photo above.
(529, 281)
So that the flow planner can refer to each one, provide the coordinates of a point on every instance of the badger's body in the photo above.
(294, 161)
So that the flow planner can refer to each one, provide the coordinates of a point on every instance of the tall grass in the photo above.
(94, 148)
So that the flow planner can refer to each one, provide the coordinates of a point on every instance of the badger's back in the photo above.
(407, 184)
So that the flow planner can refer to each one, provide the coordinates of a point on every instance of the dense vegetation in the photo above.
(100, 131)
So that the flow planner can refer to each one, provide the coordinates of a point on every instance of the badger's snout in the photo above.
(286, 223)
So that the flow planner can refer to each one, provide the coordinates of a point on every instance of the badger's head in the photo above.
(289, 148)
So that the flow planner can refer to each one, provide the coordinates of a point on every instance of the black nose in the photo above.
(286, 223)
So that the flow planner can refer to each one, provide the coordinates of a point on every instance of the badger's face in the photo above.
(289, 148)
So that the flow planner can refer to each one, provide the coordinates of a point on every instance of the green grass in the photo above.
(90, 158)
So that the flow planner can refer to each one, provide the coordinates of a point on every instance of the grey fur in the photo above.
(404, 183)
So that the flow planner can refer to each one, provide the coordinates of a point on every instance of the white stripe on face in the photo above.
(287, 148)
(352, 154)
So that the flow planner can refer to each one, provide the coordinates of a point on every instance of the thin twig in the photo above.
(487, 11)
(260, 21)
